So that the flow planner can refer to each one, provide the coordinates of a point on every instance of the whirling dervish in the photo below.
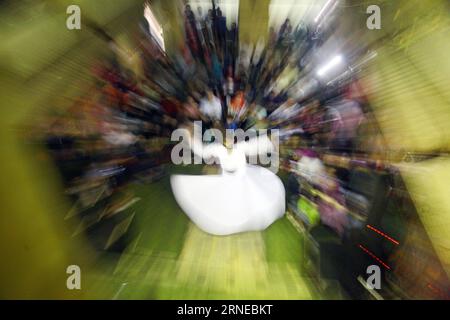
(242, 198)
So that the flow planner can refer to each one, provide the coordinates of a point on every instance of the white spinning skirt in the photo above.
(249, 200)
(243, 198)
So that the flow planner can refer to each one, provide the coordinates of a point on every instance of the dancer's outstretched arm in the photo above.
(257, 146)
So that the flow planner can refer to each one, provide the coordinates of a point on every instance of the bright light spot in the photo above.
(334, 62)
(154, 27)
(322, 10)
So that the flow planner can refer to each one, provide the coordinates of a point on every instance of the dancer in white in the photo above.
(242, 198)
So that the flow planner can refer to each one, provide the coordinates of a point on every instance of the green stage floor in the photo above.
(170, 258)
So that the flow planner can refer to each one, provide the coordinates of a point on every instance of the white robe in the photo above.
(242, 198)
